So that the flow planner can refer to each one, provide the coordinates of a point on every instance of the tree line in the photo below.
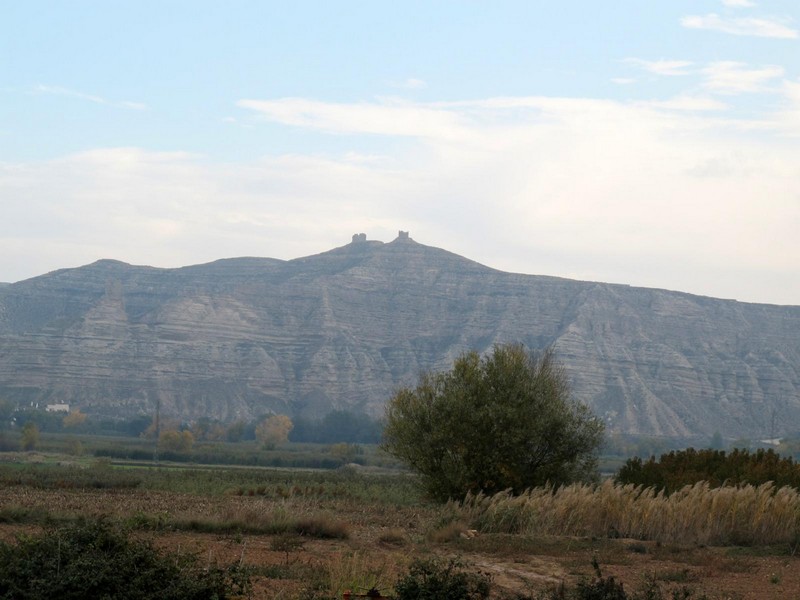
(338, 426)
(677, 469)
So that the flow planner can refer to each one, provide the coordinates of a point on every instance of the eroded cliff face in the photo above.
(343, 329)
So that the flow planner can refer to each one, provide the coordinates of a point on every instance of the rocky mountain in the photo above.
(242, 337)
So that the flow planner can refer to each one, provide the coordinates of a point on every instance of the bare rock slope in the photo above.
(241, 337)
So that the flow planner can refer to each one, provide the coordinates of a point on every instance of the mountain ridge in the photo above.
(239, 337)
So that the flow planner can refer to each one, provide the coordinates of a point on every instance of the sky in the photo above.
(651, 143)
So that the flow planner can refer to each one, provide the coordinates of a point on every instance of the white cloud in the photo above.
(739, 3)
(729, 77)
(173, 209)
(130, 105)
(759, 27)
(662, 67)
(665, 195)
(787, 119)
(689, 103)
(61, 91)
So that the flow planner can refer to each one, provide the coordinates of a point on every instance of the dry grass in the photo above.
(358, 571)
(164, 511)
(447, 532)
(747, 515)
(322, 526)
(393, 536)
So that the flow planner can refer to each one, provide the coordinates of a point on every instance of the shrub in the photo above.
(322, 527)
(97, 560)
(434, 579)
(506, 421)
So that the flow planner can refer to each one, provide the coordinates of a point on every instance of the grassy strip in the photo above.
(396, 488)
(49, 476)
(246, 453)
(320, 526)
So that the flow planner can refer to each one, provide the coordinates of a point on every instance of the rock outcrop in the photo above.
(242, 337)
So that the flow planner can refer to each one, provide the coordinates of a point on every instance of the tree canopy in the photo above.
(507, 420)
(274, 430)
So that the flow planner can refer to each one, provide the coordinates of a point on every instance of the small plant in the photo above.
(434, 579)
(354, 571)
(675, 576)
(600, 588)
(286, 543)
(75, 448)
(322, 527)
(637, 548)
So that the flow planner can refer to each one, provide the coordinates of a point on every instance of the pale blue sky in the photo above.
(650, 143)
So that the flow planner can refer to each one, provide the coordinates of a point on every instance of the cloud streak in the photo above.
(54, 90)
(662, 67)
(739, 3)
(392, 117)
(746, 26)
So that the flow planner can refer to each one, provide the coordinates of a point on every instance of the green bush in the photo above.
(686, 467)
(434, 579)
(97, 560)
(503, 421)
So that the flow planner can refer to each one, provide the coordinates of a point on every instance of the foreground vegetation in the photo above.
(98, 560)
(308, 535)
(283, 530)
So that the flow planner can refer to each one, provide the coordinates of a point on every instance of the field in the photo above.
(313, 533)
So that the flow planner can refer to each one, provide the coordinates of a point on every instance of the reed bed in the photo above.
(698, 514)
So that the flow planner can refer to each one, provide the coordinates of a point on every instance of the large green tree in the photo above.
(507, 420)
